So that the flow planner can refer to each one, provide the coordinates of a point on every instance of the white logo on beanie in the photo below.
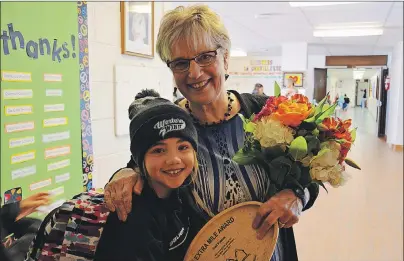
(166, 126)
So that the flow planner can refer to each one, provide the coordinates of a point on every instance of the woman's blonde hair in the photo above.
(196, 24)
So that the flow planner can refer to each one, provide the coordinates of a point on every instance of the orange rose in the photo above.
(291, 113)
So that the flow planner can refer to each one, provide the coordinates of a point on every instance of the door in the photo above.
(320, 84)
(383, 108)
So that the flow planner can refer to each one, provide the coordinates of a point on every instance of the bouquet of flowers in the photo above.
(298, 143)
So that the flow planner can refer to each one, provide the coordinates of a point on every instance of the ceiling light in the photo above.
(356, 25)
(348, 32)
(305, 4)
(237, 53)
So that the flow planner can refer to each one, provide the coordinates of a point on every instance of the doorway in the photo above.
(320, 84)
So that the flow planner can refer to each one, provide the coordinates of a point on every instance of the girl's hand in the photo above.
(29, 205)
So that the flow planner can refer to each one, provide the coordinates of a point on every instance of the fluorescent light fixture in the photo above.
(348, 29)
(348, 32)
(306, 4)
(237, 53)
(358, 25)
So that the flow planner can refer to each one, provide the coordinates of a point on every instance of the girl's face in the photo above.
(168, 164)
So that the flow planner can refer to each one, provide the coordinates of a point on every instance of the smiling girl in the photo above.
(163, 144)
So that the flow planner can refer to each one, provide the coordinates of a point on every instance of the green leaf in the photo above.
(352, 163)
(341, 141)
(298, 148)
(316, 132)
(318, 110)
(252, 117)
(292, 181)
(279, 168)
(326, 113)
(305, 178)
(242, 118)
(353, 135)
(295, 171)
(321, 184)
(250, 127)
(277, 89)
(313, 143)
(301, 132)
(273, 152)
(325, 107)
(245, 158)
(309, 126)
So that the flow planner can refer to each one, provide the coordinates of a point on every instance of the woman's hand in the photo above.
(284, 207)
(118, 192)
(29, 205)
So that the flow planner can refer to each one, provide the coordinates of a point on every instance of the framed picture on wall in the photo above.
(137, 28)
(296, 77)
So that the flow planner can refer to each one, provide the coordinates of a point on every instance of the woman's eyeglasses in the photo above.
(203, 59)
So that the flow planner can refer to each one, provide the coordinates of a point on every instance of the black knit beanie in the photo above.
(154, 119)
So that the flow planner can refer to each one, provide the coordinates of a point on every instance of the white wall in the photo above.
(110, 152)
(332, 86)
(394, 121)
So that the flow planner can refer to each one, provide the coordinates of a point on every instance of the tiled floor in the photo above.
(362, 221)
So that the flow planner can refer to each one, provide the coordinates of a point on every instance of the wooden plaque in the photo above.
(229, 236)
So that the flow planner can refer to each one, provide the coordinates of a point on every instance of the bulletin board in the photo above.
(44, 95)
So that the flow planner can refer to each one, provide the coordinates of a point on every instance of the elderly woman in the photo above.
(195, 45)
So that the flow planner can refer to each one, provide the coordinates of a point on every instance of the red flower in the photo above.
(335, 128)
(270, 106)
(299, 98)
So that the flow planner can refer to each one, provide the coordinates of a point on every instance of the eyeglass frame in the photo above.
(194, 59)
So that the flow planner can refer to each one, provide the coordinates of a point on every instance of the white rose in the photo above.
(271, 132)
(325, 158)
(334, 146)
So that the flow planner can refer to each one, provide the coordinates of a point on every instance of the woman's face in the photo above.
(169, 163)
(201, 85)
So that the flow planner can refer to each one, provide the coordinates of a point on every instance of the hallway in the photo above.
(362, 221)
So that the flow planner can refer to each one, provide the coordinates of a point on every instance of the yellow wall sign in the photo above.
(296, 77)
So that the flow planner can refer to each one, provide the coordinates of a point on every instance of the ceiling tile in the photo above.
(287, 24)
(363, 12)
(390, 37)
(395, 18)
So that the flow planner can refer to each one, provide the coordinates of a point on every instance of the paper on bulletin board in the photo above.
(40, 98)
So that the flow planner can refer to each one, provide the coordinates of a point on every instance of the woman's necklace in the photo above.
(226, 115)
